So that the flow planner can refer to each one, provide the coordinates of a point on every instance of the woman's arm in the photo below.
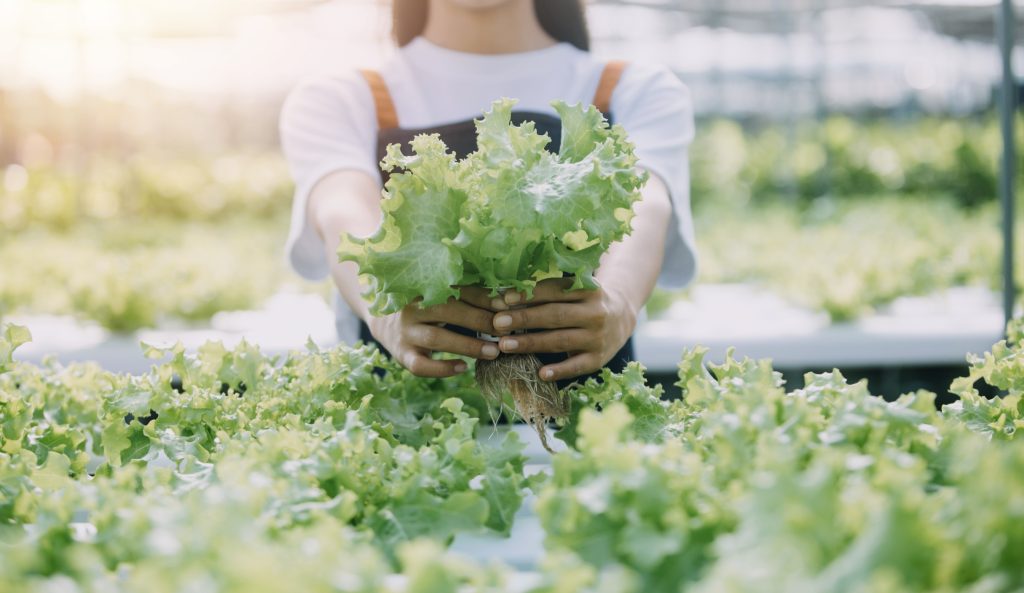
(349, 202)
(592, 325)
(345, 202)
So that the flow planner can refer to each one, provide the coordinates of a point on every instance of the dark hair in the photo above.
(562, 19)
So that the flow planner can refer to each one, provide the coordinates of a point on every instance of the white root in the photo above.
(535, 401)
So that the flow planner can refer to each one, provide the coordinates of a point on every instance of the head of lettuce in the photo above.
(507, 216)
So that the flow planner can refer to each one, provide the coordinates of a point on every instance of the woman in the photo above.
(455, 57)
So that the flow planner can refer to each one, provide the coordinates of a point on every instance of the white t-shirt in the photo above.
(329, 124)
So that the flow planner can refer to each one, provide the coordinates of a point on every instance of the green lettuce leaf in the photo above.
(410, 255)
(508, 215)
(11, 337)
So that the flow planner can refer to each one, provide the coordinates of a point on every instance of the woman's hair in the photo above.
(561, 19)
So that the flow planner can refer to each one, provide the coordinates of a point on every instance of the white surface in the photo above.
(939, 329)
(285, 323)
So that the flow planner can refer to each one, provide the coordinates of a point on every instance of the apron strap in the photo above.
(387, 117)
(609, 78)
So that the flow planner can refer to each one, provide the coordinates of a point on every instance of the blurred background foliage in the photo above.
(733, 165)
(141, 182)
(846, 157)
(850, 217)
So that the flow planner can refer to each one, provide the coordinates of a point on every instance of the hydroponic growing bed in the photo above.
(335, 470)
(938, 329)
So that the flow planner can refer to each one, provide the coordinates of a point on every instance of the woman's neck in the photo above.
(508, 27)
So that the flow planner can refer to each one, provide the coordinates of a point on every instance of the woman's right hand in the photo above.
(413, 334)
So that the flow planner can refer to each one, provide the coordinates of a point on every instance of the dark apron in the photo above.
(460, 137)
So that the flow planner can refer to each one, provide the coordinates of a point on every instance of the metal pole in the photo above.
(1007, 109)
(822, 39)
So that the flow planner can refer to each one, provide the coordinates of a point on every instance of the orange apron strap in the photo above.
(609, 78)
(387, 117)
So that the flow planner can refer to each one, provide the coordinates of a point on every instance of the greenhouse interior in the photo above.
(539, 296)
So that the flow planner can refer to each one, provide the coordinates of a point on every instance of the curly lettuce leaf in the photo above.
(410, 255)
(508, 215)
(11, 337)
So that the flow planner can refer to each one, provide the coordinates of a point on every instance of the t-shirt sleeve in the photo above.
(656, 110)
(326, 125)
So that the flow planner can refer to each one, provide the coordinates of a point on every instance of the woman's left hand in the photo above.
(589, 325)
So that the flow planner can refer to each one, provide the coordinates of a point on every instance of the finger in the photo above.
(567, 340)
(458, 313)
(480, 297)
(549, 316)
(574, 366)
(552, 290)
(436, 339)
(421, 365)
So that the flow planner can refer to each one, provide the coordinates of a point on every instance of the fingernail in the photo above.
(503, 321)
(490, 350)
(510, 344)
(513, 298)
(460, 367)
(498, 304)
(548, 373)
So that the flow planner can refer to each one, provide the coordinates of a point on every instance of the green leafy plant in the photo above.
(126, 276)
(506, 216)
(265, 449)
(321, 473)
(744, 486)
(849, 258)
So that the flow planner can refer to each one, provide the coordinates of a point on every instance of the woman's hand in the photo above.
(590, 325)
(413, 334)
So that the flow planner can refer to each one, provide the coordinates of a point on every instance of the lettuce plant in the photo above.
(507, 216)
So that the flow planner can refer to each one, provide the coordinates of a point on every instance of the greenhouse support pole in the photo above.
(1008, 96)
